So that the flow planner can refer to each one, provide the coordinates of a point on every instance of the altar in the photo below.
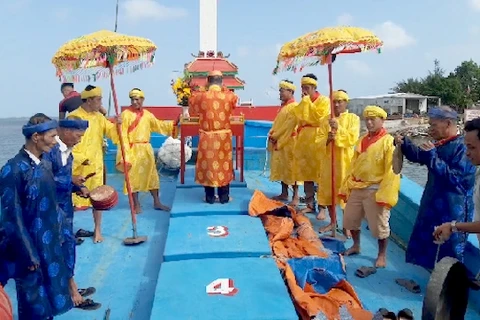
(189, 127)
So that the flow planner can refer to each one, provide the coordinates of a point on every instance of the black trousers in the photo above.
(223, 194)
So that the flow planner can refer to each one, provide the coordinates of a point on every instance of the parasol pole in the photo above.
(135, 239)
(332, 148)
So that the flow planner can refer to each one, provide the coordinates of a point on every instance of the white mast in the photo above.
(208, 26)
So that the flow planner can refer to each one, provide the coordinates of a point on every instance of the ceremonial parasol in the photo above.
(104, 54)
(321, 47)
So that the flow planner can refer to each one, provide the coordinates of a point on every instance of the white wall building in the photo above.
(393, 103)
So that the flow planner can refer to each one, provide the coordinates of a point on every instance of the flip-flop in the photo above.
(83, 234)
(405, 314)
(78, 241)
(87, 292)
(408, 284)
(385, 314)
(89, 304)
(364, 272)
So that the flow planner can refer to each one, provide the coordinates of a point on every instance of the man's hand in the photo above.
(118, 120)
(427, 146)
(398, 140)
(84, 193)
(86, 162)
(33, 268)
(443, 232)
(333, 124)
(78, 180)
(331, 137)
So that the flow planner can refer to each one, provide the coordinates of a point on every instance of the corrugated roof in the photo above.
(396, 95)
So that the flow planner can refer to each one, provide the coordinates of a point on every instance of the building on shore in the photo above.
(396, 104)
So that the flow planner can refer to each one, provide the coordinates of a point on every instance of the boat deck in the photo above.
(166, 277)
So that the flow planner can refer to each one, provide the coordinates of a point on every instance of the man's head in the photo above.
(71, 130)
(215, 77)
(340, 102)
(40, 132)
(136, 98)
(472, 140)
(92, 98)
(286, 90)
(309, 84)
(443, 122)
(66, 88)
(374, 118)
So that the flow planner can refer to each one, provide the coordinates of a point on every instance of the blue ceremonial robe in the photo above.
(31, 222)
(448, 196)
(64, 187)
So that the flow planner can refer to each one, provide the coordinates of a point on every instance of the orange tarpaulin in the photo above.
(293, 236)
(6, 311)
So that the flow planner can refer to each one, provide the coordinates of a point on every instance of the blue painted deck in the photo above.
(135, 283)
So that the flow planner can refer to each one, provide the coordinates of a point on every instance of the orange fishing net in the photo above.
(306, 243)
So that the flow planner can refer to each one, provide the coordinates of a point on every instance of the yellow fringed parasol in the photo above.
(99, 55)
(322, 47)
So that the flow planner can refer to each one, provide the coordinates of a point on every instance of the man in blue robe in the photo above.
(31, 226)
(448, 192)
(70, 133)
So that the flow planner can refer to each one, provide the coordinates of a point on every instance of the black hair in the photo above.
(38, 118)
(88, 88)
(215, 80)
(345, 91)
(473, 125)
(136, 89)
(66, 84)
(291, 82)
(311, 76)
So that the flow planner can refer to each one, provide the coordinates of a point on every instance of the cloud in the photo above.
(136, 10)
(243, 51)
(345, 19)
(474, 4)
(358, 67)
(393, 35)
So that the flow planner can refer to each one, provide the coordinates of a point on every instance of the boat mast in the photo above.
(208, 25)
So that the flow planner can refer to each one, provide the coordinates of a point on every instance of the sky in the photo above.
(252, 31)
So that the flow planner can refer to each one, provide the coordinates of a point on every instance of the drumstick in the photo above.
(90, 175)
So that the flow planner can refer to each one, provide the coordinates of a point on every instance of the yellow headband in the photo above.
(136, 93)
(287, 85)
(340, 96)
(374, 112)
(309, 81)
(97, 92)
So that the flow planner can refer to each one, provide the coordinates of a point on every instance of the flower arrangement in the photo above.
(182, 89)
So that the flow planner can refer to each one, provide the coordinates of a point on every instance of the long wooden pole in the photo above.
(332, 148)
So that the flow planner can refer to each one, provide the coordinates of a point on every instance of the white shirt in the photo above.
(64, 150)
(33, 157)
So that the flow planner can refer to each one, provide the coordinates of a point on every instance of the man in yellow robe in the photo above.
(310, 112)
(88, 154)
(343, 131)
(137, 127)
(371, 187)
(282, 143)
(214, 166)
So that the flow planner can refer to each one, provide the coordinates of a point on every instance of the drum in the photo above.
(104, 198)
(6, 310)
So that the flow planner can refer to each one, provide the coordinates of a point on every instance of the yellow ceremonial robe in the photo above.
(91, 148)
(345, 140)
(137, 127)
(282, 153)
(307, 147)
(372, 168)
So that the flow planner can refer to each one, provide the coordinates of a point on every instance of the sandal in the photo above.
(385, 314)
(364, 272)
(405, 314)
(89, 304)
(78, 241)
(87, 292)
(408, 284)
(83, 234)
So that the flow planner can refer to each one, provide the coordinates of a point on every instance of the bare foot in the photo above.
(76, 298)
(326, 228)
(161, 207)
(306, 210)
(321, 215)
(97, 237)
(352, 251)
(347, 233)
(281, 197)
(294, 202)
(138, 209)
(381, 262)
